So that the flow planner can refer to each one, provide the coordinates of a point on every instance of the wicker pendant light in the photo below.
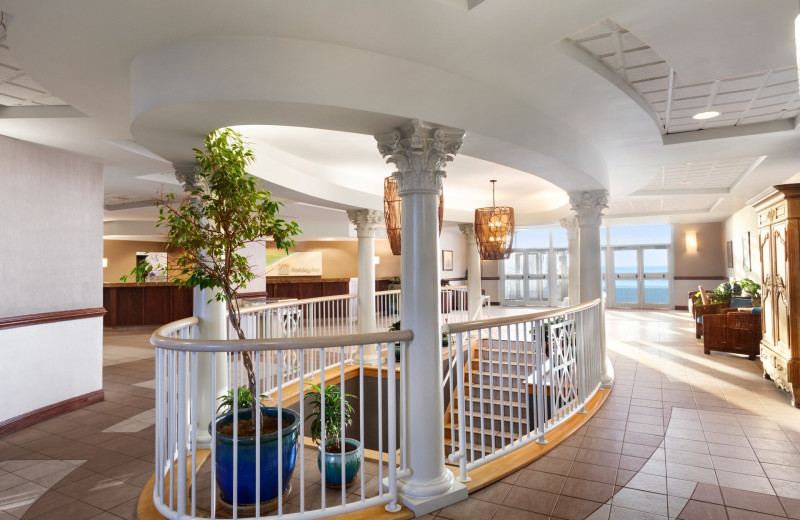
(392, 213)
(494, 230)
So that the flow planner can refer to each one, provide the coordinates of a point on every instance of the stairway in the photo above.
(499, 404)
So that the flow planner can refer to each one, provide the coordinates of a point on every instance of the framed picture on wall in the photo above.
(746, 251)
(447, 260)
(730, 254)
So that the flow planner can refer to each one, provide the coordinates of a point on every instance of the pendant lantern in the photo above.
(392, 213)
(494, 230)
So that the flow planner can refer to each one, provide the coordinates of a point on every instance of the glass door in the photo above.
(641, 277)
(626, 276)
(514, 274)
(535, 277)
(655, 276)
(538, 292)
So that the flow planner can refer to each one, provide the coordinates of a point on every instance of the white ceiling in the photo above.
(554, 97)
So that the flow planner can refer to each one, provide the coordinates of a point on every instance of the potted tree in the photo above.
(337, 411)
(225, 210)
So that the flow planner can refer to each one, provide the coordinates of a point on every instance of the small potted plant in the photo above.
(753, 289)
(337, 416)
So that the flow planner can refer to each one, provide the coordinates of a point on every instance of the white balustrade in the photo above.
(186, 481)
(508, 381)
(517, 378)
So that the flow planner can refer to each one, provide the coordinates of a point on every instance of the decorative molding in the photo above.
(28, 419)
(420, 152)
(188, 174)
(365, 220)
(26, 320)
(468, 230)
(589, 206)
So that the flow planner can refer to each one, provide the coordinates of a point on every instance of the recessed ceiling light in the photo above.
(706, 115)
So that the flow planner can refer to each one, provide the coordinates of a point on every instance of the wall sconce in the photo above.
(376, 260)
(691, 242)
(105, 262)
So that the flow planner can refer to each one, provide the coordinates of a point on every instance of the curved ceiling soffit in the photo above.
(761, 101)
(183, 89)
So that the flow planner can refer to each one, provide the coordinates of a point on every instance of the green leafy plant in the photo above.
(242, 397)
(334, 419)
(394, 282)
(225, 210)
(395, 326)
(751, 287)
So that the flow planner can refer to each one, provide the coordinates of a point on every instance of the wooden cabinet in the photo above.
(779, 249)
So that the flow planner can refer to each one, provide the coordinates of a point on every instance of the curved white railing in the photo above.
(508, 382)
(188, 373)
(337, 315)
(518, 377)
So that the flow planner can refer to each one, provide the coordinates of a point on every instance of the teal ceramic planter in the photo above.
(333, 464)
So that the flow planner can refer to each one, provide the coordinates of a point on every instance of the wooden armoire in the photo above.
(778, 246)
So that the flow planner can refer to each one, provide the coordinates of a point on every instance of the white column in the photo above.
(420, 151)
(366, 220)
(212, 316)
(573, 252)
(589, 206)
(474, 296)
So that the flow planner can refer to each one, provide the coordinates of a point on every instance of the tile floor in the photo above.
(683, 435)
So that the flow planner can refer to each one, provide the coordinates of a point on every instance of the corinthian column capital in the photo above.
(365, 220)
(468, 230)
(420, 151)
(588, 206)
(188, 174)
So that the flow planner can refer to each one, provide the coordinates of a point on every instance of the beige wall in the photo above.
(704, 267)
(340, 258)
(709, 260)
(735, 229)
(121, 256)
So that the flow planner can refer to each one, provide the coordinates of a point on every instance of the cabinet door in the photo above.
(780, 287)
(767, 294)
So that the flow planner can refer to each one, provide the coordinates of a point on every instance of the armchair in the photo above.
(737, 332)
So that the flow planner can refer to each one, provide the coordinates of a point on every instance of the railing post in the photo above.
(462, 431)
(581, 322)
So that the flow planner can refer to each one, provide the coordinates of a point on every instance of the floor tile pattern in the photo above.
(682, 436)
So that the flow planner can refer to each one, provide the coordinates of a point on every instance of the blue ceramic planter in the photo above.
(333, 464)
(246, 458)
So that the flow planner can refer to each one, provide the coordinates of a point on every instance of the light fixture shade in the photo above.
(393, 216)
(494, 232)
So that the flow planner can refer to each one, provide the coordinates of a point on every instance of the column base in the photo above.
(422, 505)
(607, 379)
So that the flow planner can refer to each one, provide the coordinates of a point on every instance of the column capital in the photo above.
(589, 206)
(468, 230)
(365, 220)
(420, 150)
(570, 223)
(188, 174)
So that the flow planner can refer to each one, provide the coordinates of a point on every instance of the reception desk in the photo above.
(153, 303)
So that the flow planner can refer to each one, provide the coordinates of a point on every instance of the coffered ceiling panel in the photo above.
(761, 96)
